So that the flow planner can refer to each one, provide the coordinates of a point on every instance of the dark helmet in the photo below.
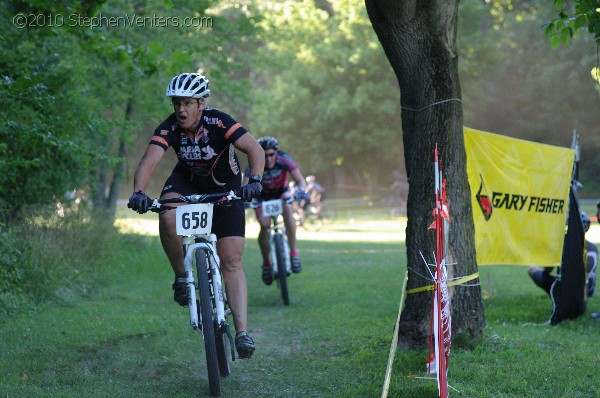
(192, 85)
(268, 142)
(585, 220)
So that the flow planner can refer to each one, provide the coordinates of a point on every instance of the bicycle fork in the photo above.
(190, 246)
(286, 250)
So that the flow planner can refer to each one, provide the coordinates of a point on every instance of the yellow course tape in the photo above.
(451, 283)
(388, 373)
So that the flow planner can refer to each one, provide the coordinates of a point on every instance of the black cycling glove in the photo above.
(250, 191)
(299, 195)
(139, 202)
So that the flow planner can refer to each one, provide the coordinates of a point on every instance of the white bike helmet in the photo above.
(268, 142)
(192, 85)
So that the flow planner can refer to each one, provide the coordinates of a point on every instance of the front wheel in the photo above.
(224, 347)
(208, 325)
(281, 268)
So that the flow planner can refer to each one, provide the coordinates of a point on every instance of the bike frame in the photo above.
(207, 243)
(278, 228)
(209, 285)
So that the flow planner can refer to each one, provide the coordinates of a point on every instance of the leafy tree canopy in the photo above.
(72, 94)
(42, 109)
(513, 83)
(573, 17)
(323, 87)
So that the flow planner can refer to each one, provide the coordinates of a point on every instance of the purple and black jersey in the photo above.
(275, 180)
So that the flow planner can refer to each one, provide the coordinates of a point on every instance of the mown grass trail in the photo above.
(129, 339)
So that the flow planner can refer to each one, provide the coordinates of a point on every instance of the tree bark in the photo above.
(119, 170)
(105, 200)
(419, 39)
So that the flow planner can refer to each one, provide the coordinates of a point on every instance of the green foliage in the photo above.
(41, 119)
(127, 59)
(51, 258)
(514, 84)
(70, 96)
(74, 92)
(323, 82)
(12, 295)
(310, 72)
(573, 17)
(227, 56)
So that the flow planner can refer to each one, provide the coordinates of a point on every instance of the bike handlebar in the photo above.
(221, 198)
(257, 202)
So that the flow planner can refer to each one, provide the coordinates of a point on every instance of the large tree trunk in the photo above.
(419, 40)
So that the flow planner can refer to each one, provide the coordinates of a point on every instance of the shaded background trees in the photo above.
(322, 88)
(514, 83)
(79, 103)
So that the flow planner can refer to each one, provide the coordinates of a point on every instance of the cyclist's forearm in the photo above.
(255, 153)
(256, 160)
(141, 180)
(143, 173)
(300, 182)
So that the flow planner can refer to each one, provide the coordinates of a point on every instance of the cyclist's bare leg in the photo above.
(171, 242)
(317, 203)
(230, 250)
(263, 237)
(290, 226)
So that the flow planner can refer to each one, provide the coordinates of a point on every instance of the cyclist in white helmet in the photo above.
(204, 140)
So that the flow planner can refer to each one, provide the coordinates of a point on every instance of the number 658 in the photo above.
(194, 220)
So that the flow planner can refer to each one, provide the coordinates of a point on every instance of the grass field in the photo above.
(127, 338)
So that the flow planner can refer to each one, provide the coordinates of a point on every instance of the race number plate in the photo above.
(194, 219)
(272, 208)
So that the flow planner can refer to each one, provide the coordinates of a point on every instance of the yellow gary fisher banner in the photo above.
(519, 193)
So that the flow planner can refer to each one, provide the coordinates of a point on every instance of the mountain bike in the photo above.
(209, 311)
(279, 250)
(314, 217)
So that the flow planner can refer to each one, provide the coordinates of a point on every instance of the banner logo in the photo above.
(485, 204)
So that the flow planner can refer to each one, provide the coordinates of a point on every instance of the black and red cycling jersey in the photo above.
(275, 180)
(209, 159)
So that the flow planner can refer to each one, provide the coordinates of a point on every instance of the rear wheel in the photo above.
(208, 325)
(312, 222)
(328, 214)
(281, 268)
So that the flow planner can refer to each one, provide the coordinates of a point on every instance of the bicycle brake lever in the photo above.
(232, 196)
(156, 204)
